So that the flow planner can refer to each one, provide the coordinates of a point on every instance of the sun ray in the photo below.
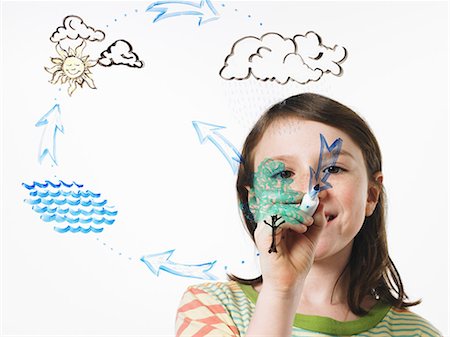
(53, 69)
(79, 50)
(57, 60)
(73, 86)
(89, 81)
(90, 63)
(71, 67)
(61, 52)
(56, 76)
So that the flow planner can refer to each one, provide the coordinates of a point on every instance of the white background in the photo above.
(132, 140)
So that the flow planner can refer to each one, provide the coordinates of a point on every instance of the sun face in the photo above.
(72, 67)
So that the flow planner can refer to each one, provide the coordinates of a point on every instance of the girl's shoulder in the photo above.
(404, 322)
(224, 292)
(225, 300)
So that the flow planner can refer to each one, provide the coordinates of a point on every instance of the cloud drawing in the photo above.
(74, 28)
(120, 53)
(273, 57)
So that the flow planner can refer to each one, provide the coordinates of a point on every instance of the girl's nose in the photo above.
(323, 194)
(301, 183)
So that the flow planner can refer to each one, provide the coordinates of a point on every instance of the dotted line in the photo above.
(242, 262)
(124, 15)
(58, 93)
(249, 16)
(111, 249)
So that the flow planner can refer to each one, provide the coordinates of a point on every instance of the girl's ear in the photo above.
(373, 192)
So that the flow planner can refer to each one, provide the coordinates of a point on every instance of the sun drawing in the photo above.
(72, 67)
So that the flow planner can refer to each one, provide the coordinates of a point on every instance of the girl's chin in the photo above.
(324, 247)
(328, 248)
(319, 258)
(322, 252)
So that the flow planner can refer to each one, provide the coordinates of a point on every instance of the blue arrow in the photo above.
(160, 261)
(206, 131)
(52, 124)
(167, 9)
(331, 151)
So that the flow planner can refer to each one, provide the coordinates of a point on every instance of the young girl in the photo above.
(325, 275)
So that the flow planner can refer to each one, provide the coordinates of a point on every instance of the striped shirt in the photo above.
(225, 308)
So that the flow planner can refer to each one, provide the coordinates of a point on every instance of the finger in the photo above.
(279, 196)
(319, 217)
(282, 196)
(267, 234)
(269, 223)
(273, 210)
(315, 230)
(298, 228)
(292, 214)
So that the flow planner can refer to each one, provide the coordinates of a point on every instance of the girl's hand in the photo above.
(296, 243)
(295, 239)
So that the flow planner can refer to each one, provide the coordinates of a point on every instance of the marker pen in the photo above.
(310, 201)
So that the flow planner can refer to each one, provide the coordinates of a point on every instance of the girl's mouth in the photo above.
(330, 217)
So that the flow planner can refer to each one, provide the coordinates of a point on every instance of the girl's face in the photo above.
(296, 143)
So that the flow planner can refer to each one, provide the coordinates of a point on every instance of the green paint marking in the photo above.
(271, 196)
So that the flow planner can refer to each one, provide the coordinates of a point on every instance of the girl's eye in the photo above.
(333, 169)
(283, 175)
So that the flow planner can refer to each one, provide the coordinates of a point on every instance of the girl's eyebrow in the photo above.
(288, 157)
(345, 153)
(285, 157)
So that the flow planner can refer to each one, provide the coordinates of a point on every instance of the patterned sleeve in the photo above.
(201, 314)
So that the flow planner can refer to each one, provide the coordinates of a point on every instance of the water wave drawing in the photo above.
(69, 206)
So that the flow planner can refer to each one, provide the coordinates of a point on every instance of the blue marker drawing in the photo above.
(331, 151)
(310, 200)
(204, 10)
(160, 261)
(206, 131)
(72, 208)
(51, 122)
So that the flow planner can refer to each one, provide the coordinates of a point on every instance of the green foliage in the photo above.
(271, 193)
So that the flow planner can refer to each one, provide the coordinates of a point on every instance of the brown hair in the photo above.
(371, 270)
